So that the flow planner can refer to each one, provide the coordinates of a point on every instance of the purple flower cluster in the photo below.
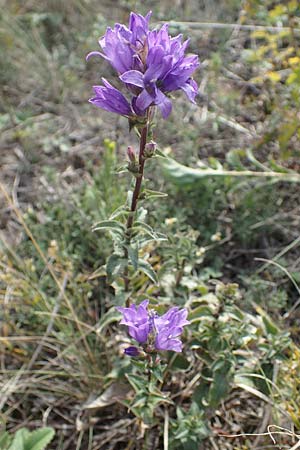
(150, 63)
(147, 327)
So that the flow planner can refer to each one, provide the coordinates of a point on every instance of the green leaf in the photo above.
(141, 409)
(158, 372)
(121, 169)
(198, 313)
(138, 383)
(111, 316)
(270, 326)
(133, 253)
(222, 377)
(5, 439)
(18, 442)
(143, 227)
(156, 398)
(140, 364)
(287, 131)
(110, 225)
(35, 440)
(200, 394)
(183, 175)
(148, 193)
(120, 211)
(296, 276)
(180, 363)
(179, 412)
(114, 265)
(39, 439)
(143, 241)
(147, 269)
(276, 167)
(160, 154)
(233, 157)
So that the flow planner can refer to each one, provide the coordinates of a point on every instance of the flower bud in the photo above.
(131, 154)
(150, 149)
(131, 351)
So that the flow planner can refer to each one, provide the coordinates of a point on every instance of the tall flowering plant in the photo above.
(150, 65)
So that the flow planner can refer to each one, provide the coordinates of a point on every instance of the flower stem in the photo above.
(135, 195)
(139, 178)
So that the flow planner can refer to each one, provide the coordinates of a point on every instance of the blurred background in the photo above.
(58, 154)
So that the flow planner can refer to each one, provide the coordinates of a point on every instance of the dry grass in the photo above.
(53, 359)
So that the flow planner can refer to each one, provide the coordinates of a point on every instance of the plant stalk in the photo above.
(139, 178)
(135, 196)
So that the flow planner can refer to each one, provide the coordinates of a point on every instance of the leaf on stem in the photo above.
(110, 225)
(148, 193)
(139, 226)
(115, 264)
(111, 316)
(148, 270)
(133, 254)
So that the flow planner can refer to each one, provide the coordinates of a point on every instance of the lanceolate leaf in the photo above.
(111, 316)
(35, 440)
(142, 241)
(110, 225)
(133, 254)
(121, 211)
(39, 439)
(142, 227)
(4, 440)
(186, 175)
(148, 270)
(148, 193)
(114, 265)
(19, 440)
(138, 383)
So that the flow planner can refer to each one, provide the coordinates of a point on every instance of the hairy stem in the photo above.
(136, 194)
(139, 178)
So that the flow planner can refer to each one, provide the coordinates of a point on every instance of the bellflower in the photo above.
(109, 98)
(137, 320)
(147, 327)
(169, 327)
(175, 317)
(150, 63)
(167, 339)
